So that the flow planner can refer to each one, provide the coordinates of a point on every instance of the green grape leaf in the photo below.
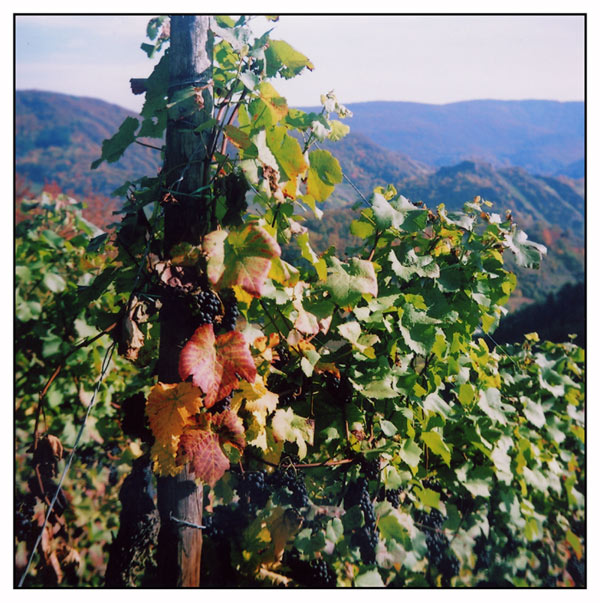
(428, 497)
(347, 282)
(288, 154)
(413, 264)
(269, 108)
(308, 254)
(368, 579)
(323, 174)
(410, 453)
(527, 253)
(114, 147)
(533, 411)
(399, 213)
(54, 282)
(292, 428)
(282, 59)
(338, 130)
(491, 403)
(437, 445)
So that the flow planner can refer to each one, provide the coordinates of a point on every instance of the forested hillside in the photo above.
(58, 136)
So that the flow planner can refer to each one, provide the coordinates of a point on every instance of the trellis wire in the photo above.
(105, 365)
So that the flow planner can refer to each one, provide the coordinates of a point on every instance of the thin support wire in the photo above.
(503, 349)
(105, 365)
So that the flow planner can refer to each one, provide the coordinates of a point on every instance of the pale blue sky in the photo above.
(435, 59)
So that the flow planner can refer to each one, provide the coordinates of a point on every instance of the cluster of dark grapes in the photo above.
(392, 496)
(370, 468)
(221, 405)
(224, 523)
(232, 311)
(366, 537)
(316, 573)
(292, 481)
(253, 490)
(340, 388)
(87, 455)
(206, 306)
(283, 356)
(24, 516)
(438, 551)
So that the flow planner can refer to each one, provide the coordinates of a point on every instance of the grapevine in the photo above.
(348, 422)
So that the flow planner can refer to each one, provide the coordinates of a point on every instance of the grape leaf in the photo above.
(201, 449)
(259, 402)
(346, 282)
(292, 428)
(284, 60)
(242, 257)
(229, 428)
(437, 445)
(168, 408)
(413, 264)
(215, 364)
(113, 148)
(527, 253)
(268, 108)
(396, 213)
(323, 174)
(289, 157)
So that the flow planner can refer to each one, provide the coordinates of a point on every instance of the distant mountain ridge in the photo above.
(58, 136)
(543, 137)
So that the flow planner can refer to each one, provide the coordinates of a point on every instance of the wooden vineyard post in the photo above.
(186, 169)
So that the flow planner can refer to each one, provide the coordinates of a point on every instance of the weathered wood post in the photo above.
(186, 169)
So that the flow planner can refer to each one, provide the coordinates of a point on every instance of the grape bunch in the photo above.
(438, 550)
(224, 523)
(283, 356)
(206, 307)
(253, 490)
(366, 537)
(24, 516)
(221, 406)
(316, 573)
(340, 388)
(392, 496)
(370, 468)
(232, 311)
(292, 481)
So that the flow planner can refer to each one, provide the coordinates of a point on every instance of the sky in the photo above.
(432, 59)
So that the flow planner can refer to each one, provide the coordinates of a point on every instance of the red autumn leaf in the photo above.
(215, 365)
(201, 448)
(230, 429)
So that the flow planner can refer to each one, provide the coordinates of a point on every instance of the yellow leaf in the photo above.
(169, 407)
(259, 402)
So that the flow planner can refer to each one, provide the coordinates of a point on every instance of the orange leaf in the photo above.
(169, 407)
(215, 364)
